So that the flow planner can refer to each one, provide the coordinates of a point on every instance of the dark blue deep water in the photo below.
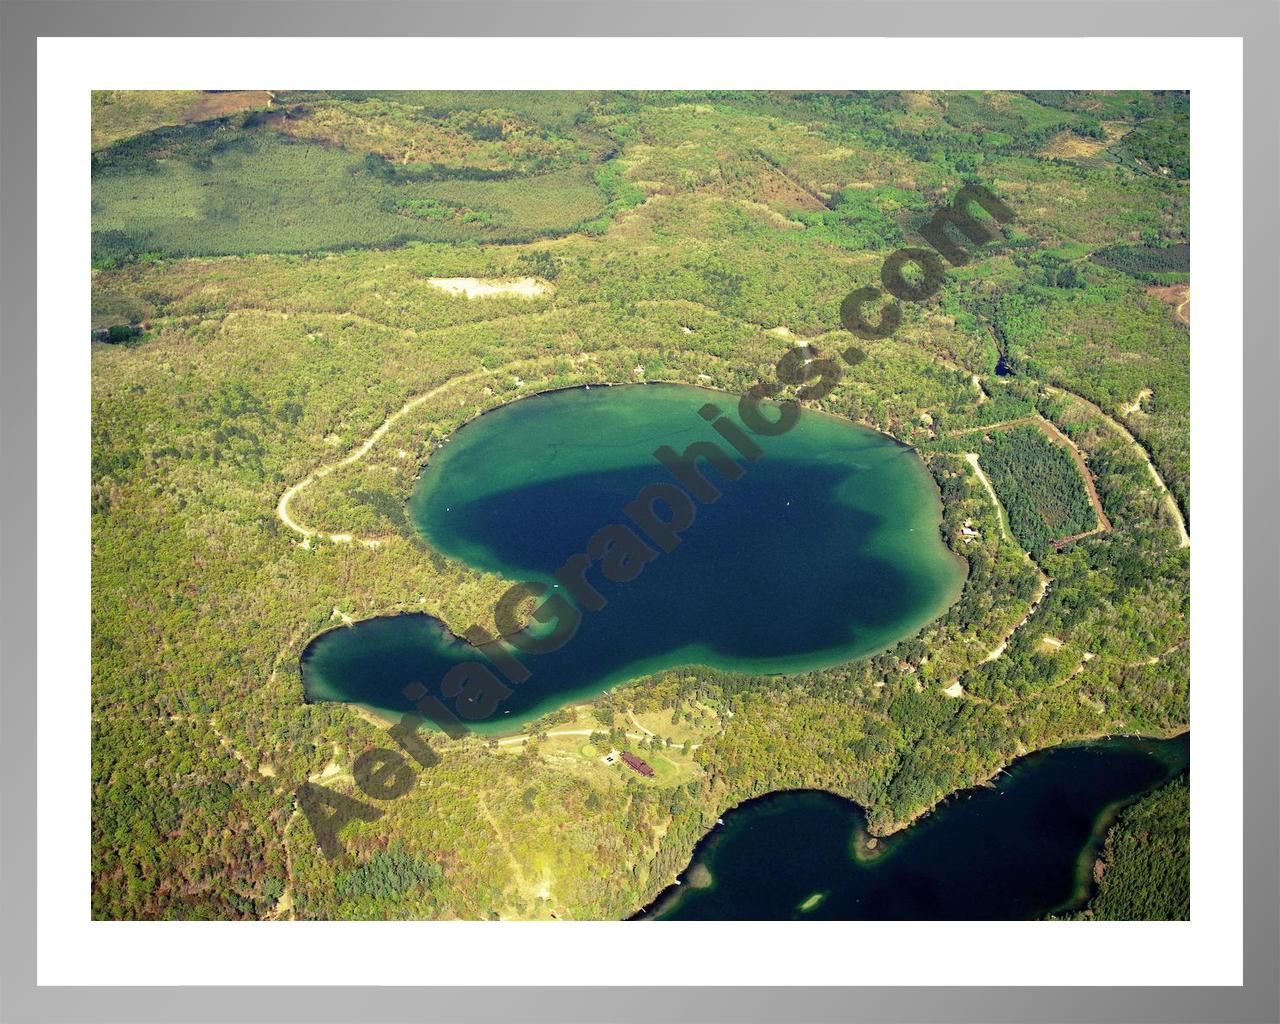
(825, 550)
(1020, 850)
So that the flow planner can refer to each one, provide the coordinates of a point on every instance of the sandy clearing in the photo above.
(483, 288)
(1067, 144)
(954, 690)
(1136, 404)
(1176, 295)
(284, 905)
(330, 770)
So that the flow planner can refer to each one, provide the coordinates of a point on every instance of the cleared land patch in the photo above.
(121, 114)
(1067, 145)
(1176, 295)
(475, 288)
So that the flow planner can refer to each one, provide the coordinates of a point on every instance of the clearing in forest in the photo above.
(1176, 295)
(480, 288)
(1067, 145)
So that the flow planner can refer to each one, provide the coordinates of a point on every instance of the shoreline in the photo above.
(1106, 817)
(593, 693)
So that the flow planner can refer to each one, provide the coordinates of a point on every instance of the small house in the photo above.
(637, 764)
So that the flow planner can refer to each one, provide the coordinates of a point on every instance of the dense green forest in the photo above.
(1144, 873)
(1150, 263)
(1163, 145)
(1038, 486)
(268, 292)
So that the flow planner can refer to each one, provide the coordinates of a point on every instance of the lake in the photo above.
(826, 549)
(1020, 850)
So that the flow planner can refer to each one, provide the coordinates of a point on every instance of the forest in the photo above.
(1038, 486)
(1144, 873)
(1151, 264)
(266, 297)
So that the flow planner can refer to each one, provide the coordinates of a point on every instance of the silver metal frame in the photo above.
(21, 23)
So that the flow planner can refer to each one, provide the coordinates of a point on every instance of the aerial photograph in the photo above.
(641, 506)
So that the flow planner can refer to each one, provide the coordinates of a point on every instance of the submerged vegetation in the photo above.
(270, 271)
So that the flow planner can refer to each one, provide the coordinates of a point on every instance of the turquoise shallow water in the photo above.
(826, 549)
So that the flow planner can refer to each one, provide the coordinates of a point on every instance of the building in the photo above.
(637, 764)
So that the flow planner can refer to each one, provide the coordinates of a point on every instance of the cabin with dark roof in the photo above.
(637, 764)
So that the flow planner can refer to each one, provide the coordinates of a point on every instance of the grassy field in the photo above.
(238, 193)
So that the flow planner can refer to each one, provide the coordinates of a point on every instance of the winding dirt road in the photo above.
(1184, 538)
(282, 507)
(972, 459)
(1077, 456)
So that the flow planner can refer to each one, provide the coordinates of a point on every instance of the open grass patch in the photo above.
(216, 190)
(123, 113)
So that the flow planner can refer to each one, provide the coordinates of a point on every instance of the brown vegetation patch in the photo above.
(1067, 145)
(770, 185)
(219, 104)
(1176, 295)
(493, 140)
(1116, 130)
(777, 188)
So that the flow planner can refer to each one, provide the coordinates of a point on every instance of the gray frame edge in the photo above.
(23, 21)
